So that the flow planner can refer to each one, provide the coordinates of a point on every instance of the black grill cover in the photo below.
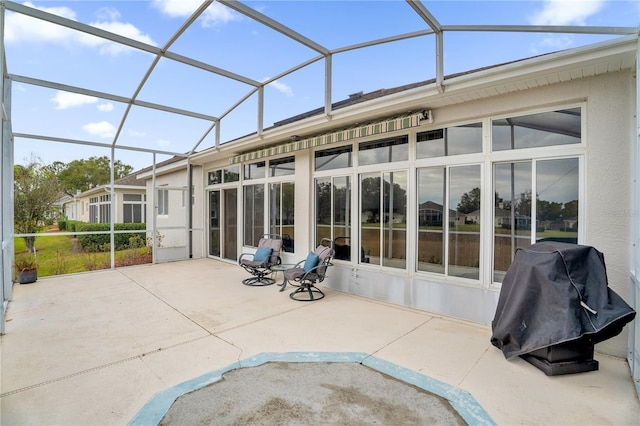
(554, 293)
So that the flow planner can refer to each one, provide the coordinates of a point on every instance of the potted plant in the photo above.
(26, 269)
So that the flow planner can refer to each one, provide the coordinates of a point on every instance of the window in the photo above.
(93, 210)
(231, 174)
(333, 213)
(335, 158)
(465, 139)
(383, 209)
(253, 214)
(226, 175)
(215, 177)
(534, 199)
(555, 206)
(100, 209)
(453, 249)
(105, 209)
(133, 206)
(383, 151)
(163, 202)
(282, 167)
(282, 212)
(254, 171)
(551, 128)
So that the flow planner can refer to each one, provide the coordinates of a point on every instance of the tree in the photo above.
(35, 189)
(81, 175)
(470, 201)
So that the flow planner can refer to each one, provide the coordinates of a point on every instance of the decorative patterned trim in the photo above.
(375, 128)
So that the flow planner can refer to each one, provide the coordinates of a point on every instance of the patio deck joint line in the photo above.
(68, 376)
(462, 401)
(100, 367)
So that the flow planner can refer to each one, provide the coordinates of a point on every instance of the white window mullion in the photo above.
(445, 229)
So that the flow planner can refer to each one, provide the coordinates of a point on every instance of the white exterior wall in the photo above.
(172, 227)
(605, 201)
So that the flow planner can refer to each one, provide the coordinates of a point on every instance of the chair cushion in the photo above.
(293, 273)
(262, 254)
(311, 262)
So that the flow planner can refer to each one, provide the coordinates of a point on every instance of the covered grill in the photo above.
(554, 305)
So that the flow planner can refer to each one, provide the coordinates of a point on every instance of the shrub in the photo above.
(71, 225)
(62, 225)
(95, 242)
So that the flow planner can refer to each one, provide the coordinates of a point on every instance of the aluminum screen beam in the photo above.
(96, 144)
(109, 96)
(275, 25)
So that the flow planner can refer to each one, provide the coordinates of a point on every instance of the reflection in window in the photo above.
(552, 128)
(464, 222)
(555, 205)
(557, 200)
(335, 158)
(511, 213)
(254, 170)
(431, 219)
(214, 177)
(451, 249)
(282, 167)
(383, 202)
(230, 174)
(465, 139)
(253, 214)
(281, 212)
(333, 214)
(383, 151)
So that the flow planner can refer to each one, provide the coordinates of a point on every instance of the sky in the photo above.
(230, 41)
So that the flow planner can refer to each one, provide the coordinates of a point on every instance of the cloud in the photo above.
(66, 100)
(23, 29)
(120, 28)
(103, 129)
(562, 12)
(215, 13)
(136, 133)
(108, 14)
(566, 12)
(106, 107)
(281, 87)
(163, 143)
(552, 43)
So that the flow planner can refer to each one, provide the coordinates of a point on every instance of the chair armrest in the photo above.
(313, 270)
(243, 255)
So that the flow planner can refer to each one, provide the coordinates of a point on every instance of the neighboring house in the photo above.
(503, 219)
(94, 205)
(561, 125)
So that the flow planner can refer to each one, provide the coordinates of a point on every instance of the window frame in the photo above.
(266, 182)
(163, 202)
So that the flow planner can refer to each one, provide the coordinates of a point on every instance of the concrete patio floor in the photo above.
(94, 348)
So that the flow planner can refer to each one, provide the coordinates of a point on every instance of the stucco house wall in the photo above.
(606, 154)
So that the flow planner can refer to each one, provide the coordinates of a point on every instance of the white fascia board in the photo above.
(623, 49)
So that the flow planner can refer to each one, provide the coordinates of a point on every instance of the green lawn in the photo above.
(56, 255)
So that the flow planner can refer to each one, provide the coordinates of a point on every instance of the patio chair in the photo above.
(309, 272)
(259, 264)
